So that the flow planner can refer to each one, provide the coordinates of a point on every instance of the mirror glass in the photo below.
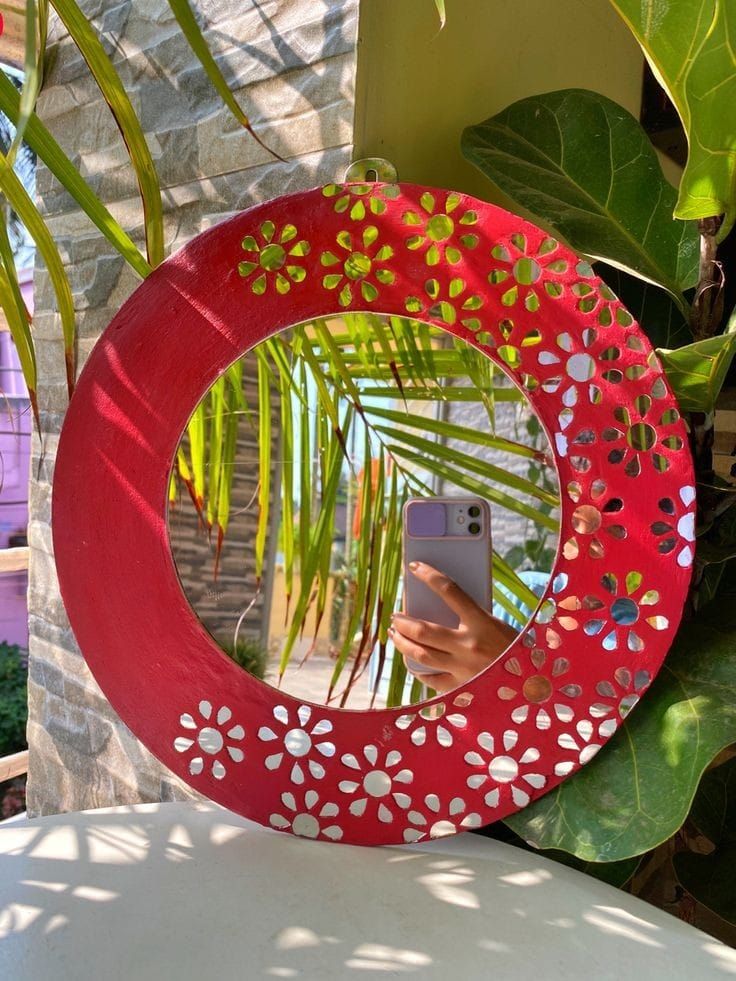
(325, 461)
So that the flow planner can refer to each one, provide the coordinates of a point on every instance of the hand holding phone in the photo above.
(446, 632)
(443, 657)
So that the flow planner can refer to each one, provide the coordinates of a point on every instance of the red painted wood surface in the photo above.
(614, 603)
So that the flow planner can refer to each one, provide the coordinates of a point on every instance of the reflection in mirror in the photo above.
(325, 461)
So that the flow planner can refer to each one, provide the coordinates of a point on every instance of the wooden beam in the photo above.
(13, 766)
(13, 559)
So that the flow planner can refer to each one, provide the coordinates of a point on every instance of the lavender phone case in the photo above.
(462, 557)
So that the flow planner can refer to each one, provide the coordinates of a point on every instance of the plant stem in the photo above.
(705, 321)
(707, 308)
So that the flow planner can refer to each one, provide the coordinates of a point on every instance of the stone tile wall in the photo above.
(292, 64)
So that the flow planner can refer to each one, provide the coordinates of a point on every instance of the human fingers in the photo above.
(427, 657)
(428, 634)
(438, 682)
(449, 591)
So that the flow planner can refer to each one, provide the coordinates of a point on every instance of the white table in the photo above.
(178, 891)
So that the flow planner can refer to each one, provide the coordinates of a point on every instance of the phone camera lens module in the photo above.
(474, 511)
(474, 528)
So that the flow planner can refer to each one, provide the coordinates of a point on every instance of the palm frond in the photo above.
(113, 91)
(341, 447)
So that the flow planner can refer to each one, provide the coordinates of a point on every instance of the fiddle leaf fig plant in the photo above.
(638, 790)
(690, 47)
(582, 165)
(697, 371)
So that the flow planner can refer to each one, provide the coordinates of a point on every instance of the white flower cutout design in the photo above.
(209, 741)
(581, 743)
(298, 742)
(543, 716)
(432, 720)
(579, 368)
(376, 782)
(505, 765)
(438, 820)
(675, 529)
(309, 821)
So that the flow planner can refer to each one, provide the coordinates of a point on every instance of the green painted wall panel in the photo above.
(418, 87)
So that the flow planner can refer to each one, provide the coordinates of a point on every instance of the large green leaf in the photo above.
(691, 47)
(638, 790)
(582, 165)
(697, 371)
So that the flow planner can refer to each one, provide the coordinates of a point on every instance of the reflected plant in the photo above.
(348, 440)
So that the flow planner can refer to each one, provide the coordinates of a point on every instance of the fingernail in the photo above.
(391, 631)
(413, 566)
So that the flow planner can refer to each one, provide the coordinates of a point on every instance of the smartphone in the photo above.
(452, 534)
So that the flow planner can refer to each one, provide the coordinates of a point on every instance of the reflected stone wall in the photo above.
(292, 64)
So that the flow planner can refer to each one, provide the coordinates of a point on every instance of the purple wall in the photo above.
(15, 451)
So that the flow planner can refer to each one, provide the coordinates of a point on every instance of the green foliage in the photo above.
(13, 700)
(43, 144)
(112, 88)
(697, 371)
(638, 790)
(582, 165)
(249, 653)
(20, 111)
(24, 206)
(690, 46)
(654, 309)
(188, 24)
(333, 433)
(16, 313)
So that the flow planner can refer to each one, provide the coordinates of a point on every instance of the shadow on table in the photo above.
(180, 890)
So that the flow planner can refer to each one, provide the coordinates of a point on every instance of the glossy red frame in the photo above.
(621, 574)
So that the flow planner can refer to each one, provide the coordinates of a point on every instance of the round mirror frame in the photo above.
(601, 631)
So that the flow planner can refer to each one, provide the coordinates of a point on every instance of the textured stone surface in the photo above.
(292, 66)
